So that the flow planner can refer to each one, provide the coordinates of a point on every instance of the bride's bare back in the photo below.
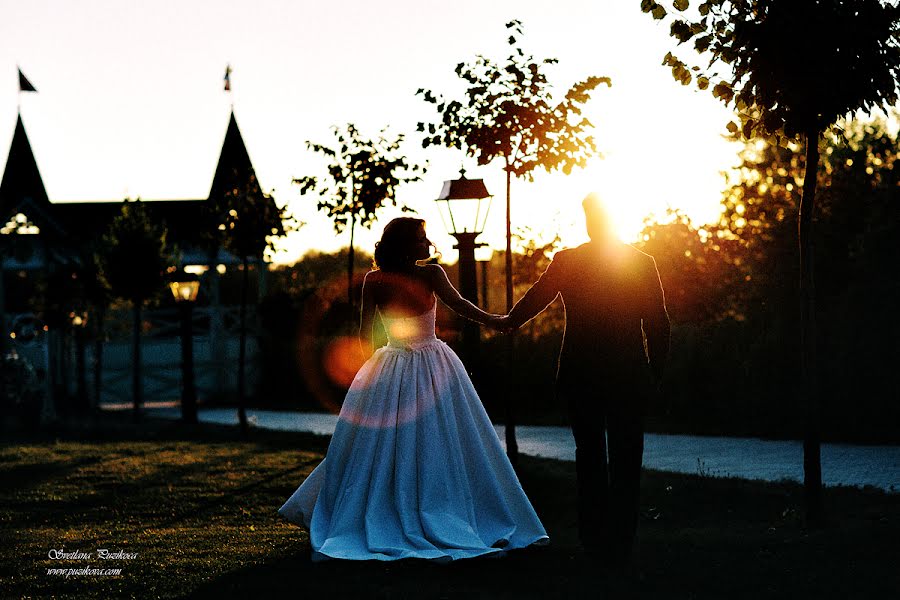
(409, 294)
(402, 294)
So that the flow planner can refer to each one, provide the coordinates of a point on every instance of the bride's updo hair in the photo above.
(399, 244)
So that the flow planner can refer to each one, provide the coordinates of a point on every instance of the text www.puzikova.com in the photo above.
(84, 572)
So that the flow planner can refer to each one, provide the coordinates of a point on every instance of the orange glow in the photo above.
(342, 360)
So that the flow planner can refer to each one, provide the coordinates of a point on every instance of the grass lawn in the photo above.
(198, 507)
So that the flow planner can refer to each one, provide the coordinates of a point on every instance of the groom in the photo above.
(611, 363)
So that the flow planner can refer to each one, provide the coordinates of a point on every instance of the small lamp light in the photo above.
(185, 287)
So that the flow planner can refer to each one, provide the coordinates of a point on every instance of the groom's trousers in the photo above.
(607, 424)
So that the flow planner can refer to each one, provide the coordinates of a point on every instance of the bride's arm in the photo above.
(452, 298)
(367, 316)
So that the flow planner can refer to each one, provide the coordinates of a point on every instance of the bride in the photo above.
(414, 468)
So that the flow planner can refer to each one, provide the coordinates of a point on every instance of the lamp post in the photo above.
(464, 205)
(184, 288)
(483, 257)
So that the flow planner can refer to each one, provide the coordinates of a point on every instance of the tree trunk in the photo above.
(83, 403)
(136, 386)
(242, 353)
(509, 260)
(98, 356)
(350, 258)
(216, 322)
(812, 463)
(512, 447)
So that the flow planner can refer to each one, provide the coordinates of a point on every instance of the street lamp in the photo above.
(461, 205)
(184, 288)
(464, 205)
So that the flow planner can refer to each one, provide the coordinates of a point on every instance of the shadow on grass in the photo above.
(25, 476)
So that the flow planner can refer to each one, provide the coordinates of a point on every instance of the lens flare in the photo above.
(342, 359)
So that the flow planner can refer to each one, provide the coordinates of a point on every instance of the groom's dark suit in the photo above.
(613, 301)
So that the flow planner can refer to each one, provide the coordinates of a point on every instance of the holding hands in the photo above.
(500, 323)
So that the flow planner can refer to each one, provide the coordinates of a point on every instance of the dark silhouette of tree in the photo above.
(791, 69)
(857, 218)
(252, 223)
(97, 297)
(509, 113)
(132, 260)
(362, 176)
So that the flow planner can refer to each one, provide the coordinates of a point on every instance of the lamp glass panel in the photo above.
(467, 214)
(444, 210)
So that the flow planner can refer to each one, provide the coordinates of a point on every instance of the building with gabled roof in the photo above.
(39, 235)
(22, 192)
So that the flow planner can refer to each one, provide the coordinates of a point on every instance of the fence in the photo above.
(216, 340)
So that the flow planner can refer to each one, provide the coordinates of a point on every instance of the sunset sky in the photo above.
(130, 102)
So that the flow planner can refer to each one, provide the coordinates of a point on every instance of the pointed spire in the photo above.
(234, 162)
(21, 177)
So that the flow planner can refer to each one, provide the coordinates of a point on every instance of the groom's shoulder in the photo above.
(642, 261)
(639, 254)
(573, 253)
(567, 256)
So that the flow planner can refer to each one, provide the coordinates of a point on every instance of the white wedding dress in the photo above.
(414, 469)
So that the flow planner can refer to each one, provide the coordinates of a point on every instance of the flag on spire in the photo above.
(24, 84)
(227, 78)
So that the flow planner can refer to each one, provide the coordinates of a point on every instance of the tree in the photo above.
(252, 223)
(362, 176)
(857, 219)
(696, 267)
(97, 297)
(132, 262)
(509, 114)
(791, 69)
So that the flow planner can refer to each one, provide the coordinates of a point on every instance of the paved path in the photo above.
(747, 458)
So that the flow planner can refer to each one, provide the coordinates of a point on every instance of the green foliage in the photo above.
(132, 256)
(509, 113)
(791, 67)
(362, 176)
